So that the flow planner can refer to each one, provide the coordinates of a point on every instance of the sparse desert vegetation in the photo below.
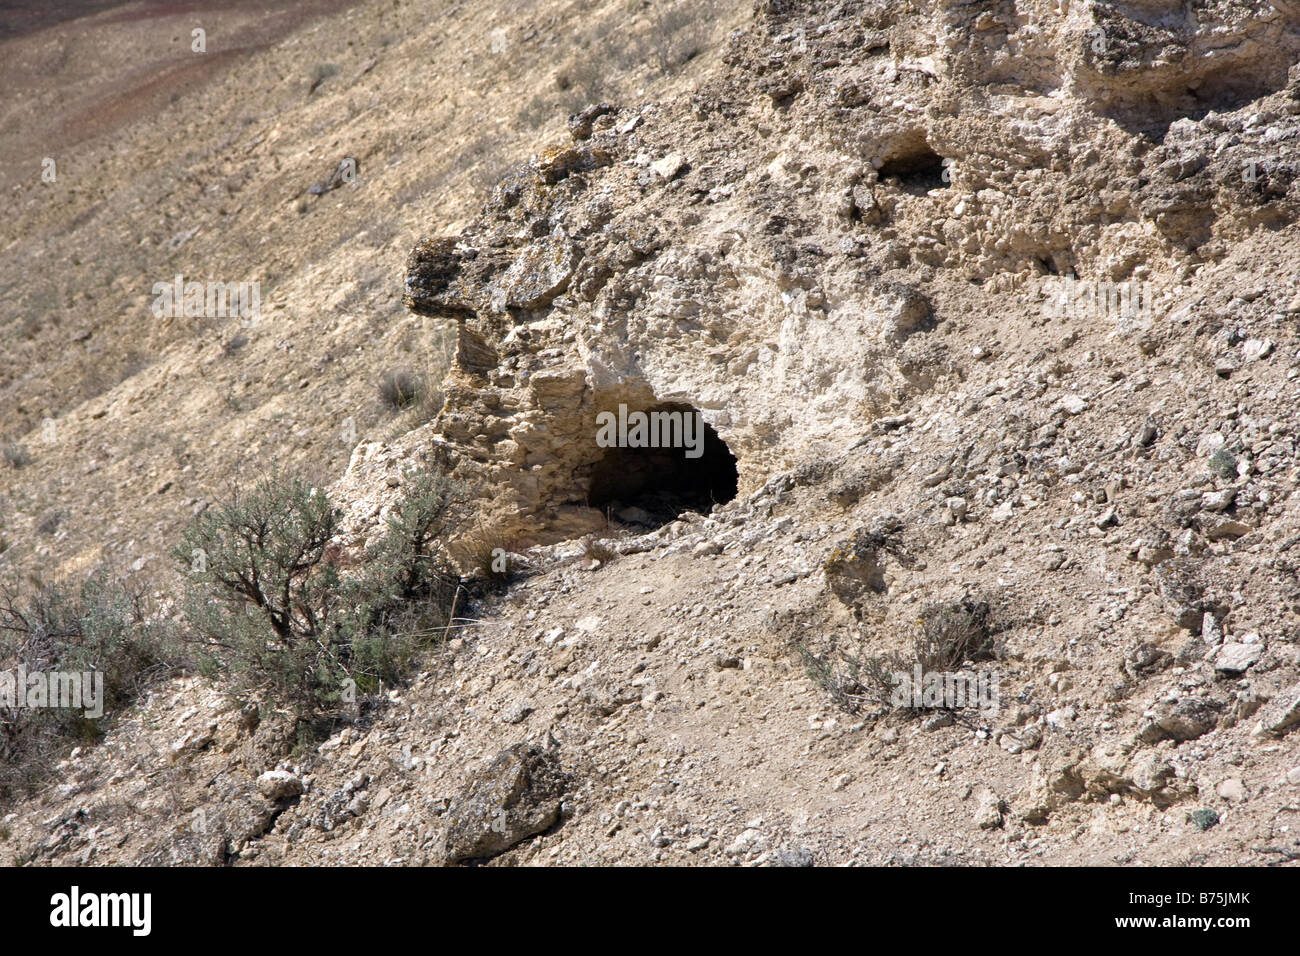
(272, 607)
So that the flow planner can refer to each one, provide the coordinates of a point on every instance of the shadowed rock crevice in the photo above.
(917, 167)
(651, 486)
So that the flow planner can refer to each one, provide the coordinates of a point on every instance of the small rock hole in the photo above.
(917, 167)
(651, 486)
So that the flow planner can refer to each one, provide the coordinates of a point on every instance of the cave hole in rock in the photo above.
(917, 167)
(651, 486)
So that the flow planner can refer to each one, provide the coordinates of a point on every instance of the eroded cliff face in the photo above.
(774, 249)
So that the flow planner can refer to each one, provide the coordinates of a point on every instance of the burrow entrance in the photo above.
(650, 486)
(915, 165)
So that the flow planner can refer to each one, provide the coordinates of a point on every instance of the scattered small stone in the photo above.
(1218, 500)
(279, 785)
(1256, 349)
(1281, 713)
(670, 166)
(1237, 658)
(1226, 528)
(988, 810)
(517, 715)
(943, 718)
(1232, 790)
(1073, 404)
(1062, 717)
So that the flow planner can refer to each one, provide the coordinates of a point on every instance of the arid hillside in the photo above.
(988, 313)
(169, 162)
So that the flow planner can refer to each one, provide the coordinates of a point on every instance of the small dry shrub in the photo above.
(597, 549)
(485, 551)
(949, 634)
(15, 455)
(400, 389)
(102, 627)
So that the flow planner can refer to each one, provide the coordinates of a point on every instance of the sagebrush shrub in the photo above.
(276, 612)
(102, 627)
